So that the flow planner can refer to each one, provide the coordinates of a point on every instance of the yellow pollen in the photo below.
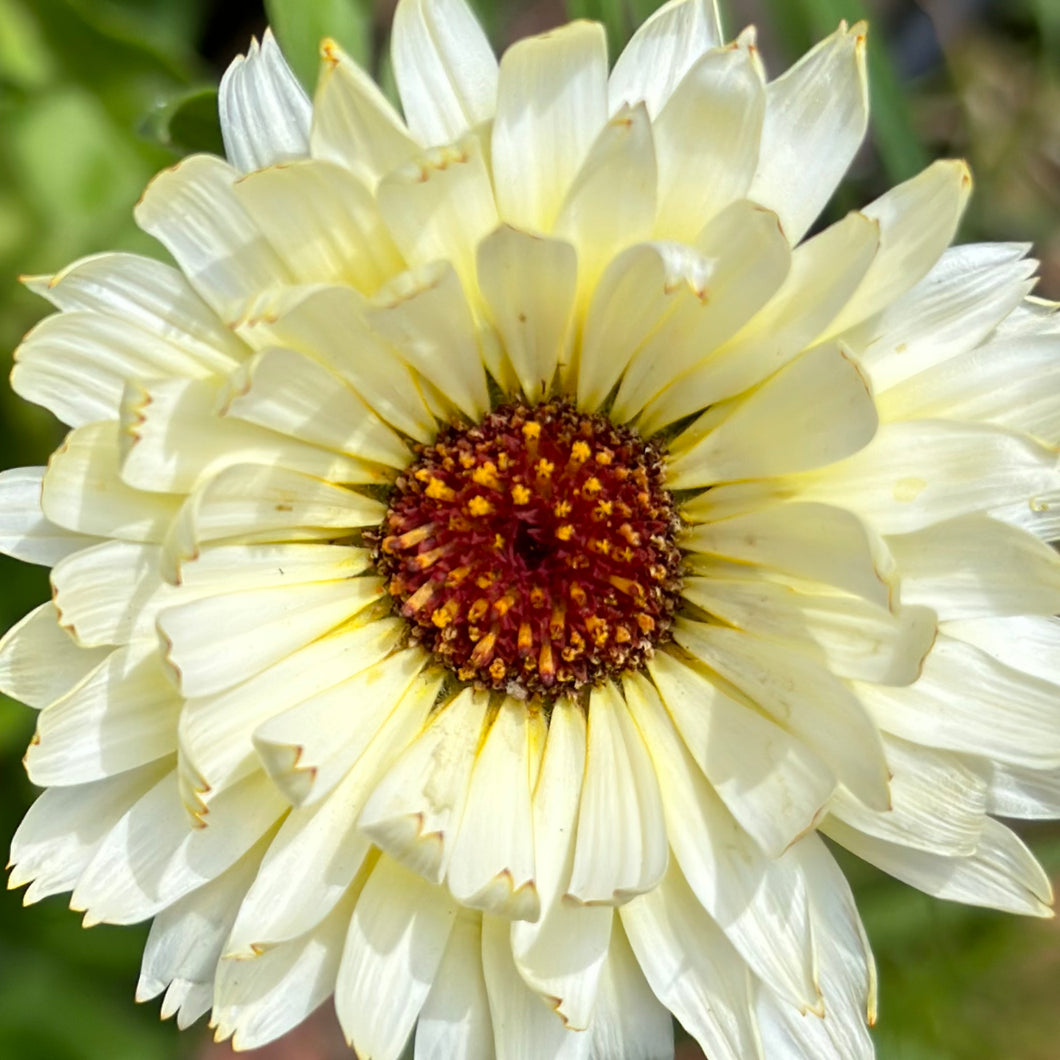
(604, 457)
(544, 468)
(580, 452)
(592, 486)
(479, 506)
(410, 539)
(537, 597)
(498, 669)
(498, 542)
(445, 614)
(561, 509)
(520, 494)
(602, 510)
(504, 604)
(478, 609)
(486, 475)
(565, 532)
(531, 431)
(437, 490)
(577, 594)
(428, 559)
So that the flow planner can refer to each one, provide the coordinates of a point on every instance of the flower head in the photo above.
(504, 542)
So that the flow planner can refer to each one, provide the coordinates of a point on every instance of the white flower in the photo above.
(489, 559)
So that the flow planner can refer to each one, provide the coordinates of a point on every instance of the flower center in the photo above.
(534, 552)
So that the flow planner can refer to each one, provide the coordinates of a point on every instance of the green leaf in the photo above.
(300, 26)
(187, 123)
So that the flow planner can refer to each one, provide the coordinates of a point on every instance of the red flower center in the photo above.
(534, 552)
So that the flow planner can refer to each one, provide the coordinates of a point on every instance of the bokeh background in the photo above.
(96, 95)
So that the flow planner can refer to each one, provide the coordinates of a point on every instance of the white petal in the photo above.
(771, 782)
(415, 811)
(1025, 794)
(917, 221)
(39, 636)
(83, 490)
(426, 316)
(976, 567)
(968, 291)
(803, 697)
(693, 968)
(491, 865)
(25, 532)
(264, 113)
(259, 1000)
(289, 393)
(394, 947)
(445, 69)
(824, 273)
(310, 747)
(260, 627)
(551, 104)
(661, 52)
(150, 858)
(323, 222)
(63, 828)
(788, 537)
(621, 847)
(353, 122)
(816, 115)
(971, 468)
(455, 1018)
(440, 206)
(524, 1025)
(760, 903)
(814, 411)
(193, 211)
(1030, 643)
(529, 285)
(701, 174)
(122, 716)
(1001, 874)
(1010, 715)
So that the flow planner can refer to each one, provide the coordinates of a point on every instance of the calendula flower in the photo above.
(504, 543)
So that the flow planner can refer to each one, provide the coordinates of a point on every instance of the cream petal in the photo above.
(323, 222)
(749, 259)
(192, 210)
(260, 626)
(150, 858)
(293, 395)
(1030, 643)
(354, 124)
(629, 1023)
(123, 715)
(415, 811)
(917, 222)
(937, 803)
(693, 968)
(173, 436)
(976, 567)
(662, 51)
(25, 532)
(327, 323)
(445, 69)
(825, 270)
(440, 206)
(968, 291)
(806, 699)
(973, 468)
(611, 203)
(41, 636)
(83, 490)
(1001, 874)
(1025, 794)
(853, 637)
(491, 864)
(63, 829)
(309, 748)
(264, 113)
(455, 1018)
(425, 315)
(816, 410)
(146, 295)
(318, 851)
(529, 285)
(771, 782)
(396, 940)
(1010, 712)
(259, 1000)
(621, 848)
(232, 567)
(788, 537)
(760, 903)
(699, 175)
(551, 105)
(815, 119)
(524, 1025)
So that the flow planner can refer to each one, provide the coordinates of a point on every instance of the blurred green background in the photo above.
(96, 95)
